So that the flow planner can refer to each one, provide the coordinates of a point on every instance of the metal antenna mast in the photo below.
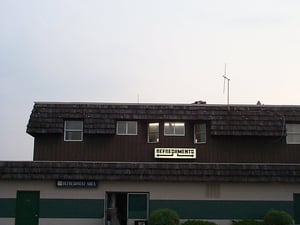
(226, 79)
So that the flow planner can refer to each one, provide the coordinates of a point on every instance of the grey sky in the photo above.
(162, 50)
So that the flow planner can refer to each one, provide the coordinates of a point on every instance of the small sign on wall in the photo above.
(175, 153)
(77, 183)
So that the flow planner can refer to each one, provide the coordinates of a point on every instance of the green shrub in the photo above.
(247, 222)
(164, 217)
(277, 217)
(198, 222)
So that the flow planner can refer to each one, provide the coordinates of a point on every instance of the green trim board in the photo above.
(7, 207)
(187, 209)
(72, 208)
(214, 209)
(58, 208)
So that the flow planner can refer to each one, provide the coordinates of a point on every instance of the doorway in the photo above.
(116, 213)
(27, 208)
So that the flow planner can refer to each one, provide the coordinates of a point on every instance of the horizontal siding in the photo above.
(187, 209)
(158, 190)
(7, 207)
(71, 208)
(7, 221)
(194, 209)
(59, 208)
(63, 221)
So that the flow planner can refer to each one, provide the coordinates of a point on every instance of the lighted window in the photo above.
(73, 130)
(153, 132)
(200, 133)
(126, 128)
(293, 133)
(174, 129)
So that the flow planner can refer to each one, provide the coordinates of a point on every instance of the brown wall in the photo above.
(218, 149)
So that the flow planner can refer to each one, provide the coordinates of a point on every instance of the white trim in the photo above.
(148, 133)
(73, 130)
(297, 133)
(126, 127)
(205, 132)
(174, 130)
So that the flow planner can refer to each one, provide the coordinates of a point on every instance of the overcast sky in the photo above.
(165, 51)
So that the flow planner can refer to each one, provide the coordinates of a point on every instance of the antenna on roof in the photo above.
(226, 78)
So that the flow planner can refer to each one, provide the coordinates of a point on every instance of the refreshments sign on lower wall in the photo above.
(175, 153)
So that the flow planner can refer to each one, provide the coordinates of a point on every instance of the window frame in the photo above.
(156, 132)
(126, 127)
(173, 124)
(201, 132)
(296, 133)
(66, 130)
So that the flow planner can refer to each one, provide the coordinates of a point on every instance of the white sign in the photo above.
(77, 183)
(175, 153)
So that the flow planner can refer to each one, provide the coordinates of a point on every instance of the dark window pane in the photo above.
(131, 127)
(73, 135)
(73, 125)
(121, 126)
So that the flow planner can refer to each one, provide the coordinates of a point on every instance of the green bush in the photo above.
(198, 222)
(247, 222)
(277, 217)
(164, 217)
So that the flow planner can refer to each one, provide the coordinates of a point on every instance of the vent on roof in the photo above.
(200, 102)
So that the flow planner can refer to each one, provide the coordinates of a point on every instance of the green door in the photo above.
(27, 208)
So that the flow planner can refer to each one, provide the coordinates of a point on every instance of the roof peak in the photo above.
(162, 104)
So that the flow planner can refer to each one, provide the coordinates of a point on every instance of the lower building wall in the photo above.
(220, 202)
(72, 208)
(198, 209)
(77, 221)
(53, 221)
(7, 221)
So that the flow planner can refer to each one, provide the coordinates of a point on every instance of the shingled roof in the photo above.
(150, 172)
(100, 118)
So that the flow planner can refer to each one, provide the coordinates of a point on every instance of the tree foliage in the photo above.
(164, 217)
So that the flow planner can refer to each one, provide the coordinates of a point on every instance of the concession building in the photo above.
(113, 164)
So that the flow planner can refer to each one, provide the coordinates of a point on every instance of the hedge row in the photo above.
(170, 217)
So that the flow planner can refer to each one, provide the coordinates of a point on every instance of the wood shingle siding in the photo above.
(100, 118)
(150, 172)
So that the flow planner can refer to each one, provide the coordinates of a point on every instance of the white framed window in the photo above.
(174, 129)
(293, 133)
(153, 132)
(73, 130)
(126, 128)
(200, 133)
